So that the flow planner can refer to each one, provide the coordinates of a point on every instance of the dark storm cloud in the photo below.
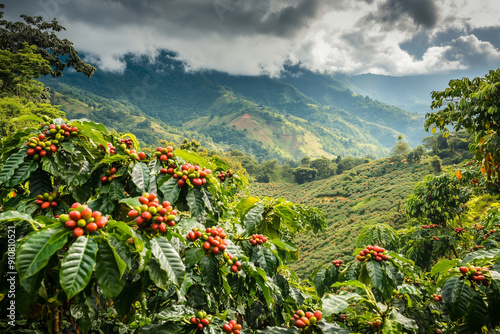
(244, 17)
(394, 14)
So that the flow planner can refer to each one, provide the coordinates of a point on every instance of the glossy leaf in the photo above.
(109, 270)
(140, 176)
(11, 165)
(35, 252)
(77, 265)
(196, 203)
(209, 266)
(457, 295)
(169, 259)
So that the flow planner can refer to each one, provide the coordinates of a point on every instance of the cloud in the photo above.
(252, 37)
(472, 52)
(404, 14)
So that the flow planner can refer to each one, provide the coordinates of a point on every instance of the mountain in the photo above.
(412, 93)
(300, 113)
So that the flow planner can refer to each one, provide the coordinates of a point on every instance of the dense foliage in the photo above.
(104, 250)
(104, 237)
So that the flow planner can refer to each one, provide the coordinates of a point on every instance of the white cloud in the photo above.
(256, 36)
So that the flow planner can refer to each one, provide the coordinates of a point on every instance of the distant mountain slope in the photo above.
(266, 117)
(370, 193)
(409, 92)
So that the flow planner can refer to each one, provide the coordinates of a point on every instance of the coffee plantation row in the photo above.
(168, 241)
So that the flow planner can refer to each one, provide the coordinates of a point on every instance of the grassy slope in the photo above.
(120, 116)
(370, 193)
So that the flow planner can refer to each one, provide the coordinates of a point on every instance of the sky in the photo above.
(253, 37)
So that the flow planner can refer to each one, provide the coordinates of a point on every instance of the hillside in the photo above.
(370, 193)
(299, 114)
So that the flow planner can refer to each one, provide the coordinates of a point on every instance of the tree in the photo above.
(34, 31)
(415, 155)
(472, 105)
(401, 148)
(324, 167)
(304, 174)
(17, 71)
(305, 161)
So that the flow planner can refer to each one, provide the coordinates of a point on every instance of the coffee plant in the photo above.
(106, 237)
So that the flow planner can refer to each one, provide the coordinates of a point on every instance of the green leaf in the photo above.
(16, 216)
(331, 328)
(209, 266)
(91, 130)
(166, 328)
(194, 158)
(113, 158)
(140, 176)
(77, 173)
(333, 304)
(457, 296)
(109, 270)
(482, 254)
(11, 165)
(477, 313)
(130, 201)
(319, 281)
(392, 327)
(194, 255)
(443, 266)
(376, 274)
(23, 172)
(68, 146)
(208, 199)
(288, 216)
(157, 274)
(175, 313)
(493, 297)
(169, 259)
(195, 201)
(406, 322)
(35, 252)
(77, 265)
(24, 118)
(245, 204)
(378, 234)
(253, 218)
(265, 258)
(39, 182)
(53, 166)
(170, 191)
(297, 295)
(116, 191)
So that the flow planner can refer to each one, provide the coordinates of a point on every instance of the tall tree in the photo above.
(473, 105)
(33, 30)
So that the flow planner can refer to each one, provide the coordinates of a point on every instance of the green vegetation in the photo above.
(370, 193)
(104, 237)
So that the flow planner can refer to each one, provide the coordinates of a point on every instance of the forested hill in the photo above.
(300, 113)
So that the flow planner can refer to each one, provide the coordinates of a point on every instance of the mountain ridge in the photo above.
(340, 123)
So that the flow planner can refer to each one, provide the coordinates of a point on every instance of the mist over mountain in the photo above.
(299, 113)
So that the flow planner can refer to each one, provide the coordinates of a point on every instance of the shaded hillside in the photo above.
(344, 124)
(370, 193)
